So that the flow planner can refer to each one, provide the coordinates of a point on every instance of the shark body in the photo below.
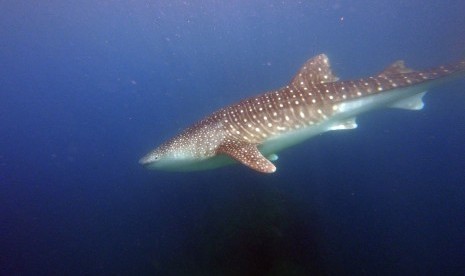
(253, 130)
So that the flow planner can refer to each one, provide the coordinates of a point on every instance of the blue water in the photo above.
(88, 87)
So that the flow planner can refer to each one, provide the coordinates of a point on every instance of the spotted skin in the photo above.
(313, 97)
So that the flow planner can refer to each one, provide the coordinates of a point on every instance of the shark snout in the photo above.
(143, 161)
(148, 159)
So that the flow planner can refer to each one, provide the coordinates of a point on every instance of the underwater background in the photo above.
(89, 87)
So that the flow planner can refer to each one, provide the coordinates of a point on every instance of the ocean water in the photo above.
(88, 87)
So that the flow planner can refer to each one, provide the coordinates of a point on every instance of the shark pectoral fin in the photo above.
(247, 154)
(412, 103)
(347, 124)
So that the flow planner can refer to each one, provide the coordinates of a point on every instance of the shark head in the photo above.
(187, 151)
(153, 159)
(168, 156)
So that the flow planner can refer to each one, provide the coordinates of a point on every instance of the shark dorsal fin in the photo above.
(315, 70)
(398, 67)
(247, 154)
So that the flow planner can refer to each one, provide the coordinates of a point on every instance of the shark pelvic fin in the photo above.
(315, 70)
(347, 124)
(248, 155)
(414, 102)
(273, 157)
(398, 67)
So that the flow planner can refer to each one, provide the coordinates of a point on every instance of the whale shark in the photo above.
(254, 130)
